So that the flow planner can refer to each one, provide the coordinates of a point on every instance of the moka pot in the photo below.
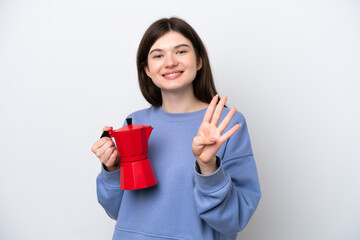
(132, 145)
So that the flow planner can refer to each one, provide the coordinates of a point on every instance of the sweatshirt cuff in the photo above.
(110, 178)
(214, 181)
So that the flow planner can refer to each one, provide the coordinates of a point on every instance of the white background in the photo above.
(67, 68)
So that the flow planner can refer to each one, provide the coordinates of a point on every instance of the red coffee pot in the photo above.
(132, 144)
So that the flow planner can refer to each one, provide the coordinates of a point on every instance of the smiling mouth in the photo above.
(172, 74)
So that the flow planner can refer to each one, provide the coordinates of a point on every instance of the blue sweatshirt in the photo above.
(184, 204)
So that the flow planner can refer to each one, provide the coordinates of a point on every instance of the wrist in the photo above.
(207, 168)
(112, 168)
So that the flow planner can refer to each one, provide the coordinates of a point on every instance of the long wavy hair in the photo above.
(203, 84)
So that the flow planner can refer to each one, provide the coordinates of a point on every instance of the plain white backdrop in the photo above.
(67, 68)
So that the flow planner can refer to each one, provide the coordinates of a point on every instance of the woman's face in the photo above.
(172, 63)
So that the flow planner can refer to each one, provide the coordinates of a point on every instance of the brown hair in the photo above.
(203, 84)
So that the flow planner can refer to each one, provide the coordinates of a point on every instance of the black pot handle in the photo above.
(105, 134)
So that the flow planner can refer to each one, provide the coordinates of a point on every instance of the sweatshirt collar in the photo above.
(179, 116)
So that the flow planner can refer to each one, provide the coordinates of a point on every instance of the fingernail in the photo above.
(213, 139)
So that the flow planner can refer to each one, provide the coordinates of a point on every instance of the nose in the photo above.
(170, 61)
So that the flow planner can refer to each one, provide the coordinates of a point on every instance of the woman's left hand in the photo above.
(209, 138)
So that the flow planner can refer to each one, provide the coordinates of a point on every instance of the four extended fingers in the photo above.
(213, 114)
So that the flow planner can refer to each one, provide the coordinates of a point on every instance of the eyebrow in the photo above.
(176, 47)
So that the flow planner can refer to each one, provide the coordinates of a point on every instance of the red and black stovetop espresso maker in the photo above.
(132, 145)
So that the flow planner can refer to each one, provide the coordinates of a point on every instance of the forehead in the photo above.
(170, 40)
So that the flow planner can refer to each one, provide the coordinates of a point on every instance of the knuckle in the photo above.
(109, 143)
(104, 159)
(112, 158)
(108, 151)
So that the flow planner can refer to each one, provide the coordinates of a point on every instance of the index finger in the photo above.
(210, 110)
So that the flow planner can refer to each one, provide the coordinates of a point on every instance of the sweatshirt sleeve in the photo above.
(109, 193)
(227, 198)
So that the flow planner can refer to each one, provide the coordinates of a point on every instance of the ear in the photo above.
(147, 71)
(199, 64)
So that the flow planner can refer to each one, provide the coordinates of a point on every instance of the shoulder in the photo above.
(143, 115)
(141, 112)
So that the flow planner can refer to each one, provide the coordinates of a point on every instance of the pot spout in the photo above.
(148, 131)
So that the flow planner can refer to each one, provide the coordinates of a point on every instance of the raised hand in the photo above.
(105, 150)
(210, 136)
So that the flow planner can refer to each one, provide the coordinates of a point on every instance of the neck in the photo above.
(181, 102)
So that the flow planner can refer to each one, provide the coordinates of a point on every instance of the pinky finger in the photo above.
(229, 133)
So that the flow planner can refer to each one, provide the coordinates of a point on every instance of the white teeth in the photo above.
(172, 74)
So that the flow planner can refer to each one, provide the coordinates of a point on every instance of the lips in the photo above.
(172, 75)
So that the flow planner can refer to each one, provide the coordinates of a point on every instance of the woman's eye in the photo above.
(181, 52)
(157, 56)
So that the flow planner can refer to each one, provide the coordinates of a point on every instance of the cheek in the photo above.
(151, 72)
(194, 63)
(153, 68)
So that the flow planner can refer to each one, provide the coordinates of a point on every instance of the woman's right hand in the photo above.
(105, 150)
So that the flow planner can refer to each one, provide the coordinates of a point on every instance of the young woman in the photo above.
(207, 186)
